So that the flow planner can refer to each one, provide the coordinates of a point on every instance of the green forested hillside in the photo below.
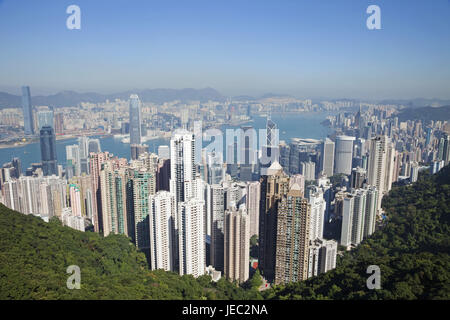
(34, 256)
(412, 251)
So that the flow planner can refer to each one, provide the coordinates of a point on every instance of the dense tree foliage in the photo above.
(254, 247)
(412, 251)
(34, 256)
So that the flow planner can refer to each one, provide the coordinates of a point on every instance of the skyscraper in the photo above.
(285, 151)
(446, 148)
(322, 256)
(358, 215)
(135, 119)
(381, 166)
(237, 245)
(75, 199)
(17, 167)
(27, 110)
(270, 152)
(73, 159)
(191, 237)
(248, 153)
(143, 185)
(292, 240)
(182, 168)
(113, 189)
(308, 169)
(163, 240)
(327, 157)
(358, 219)
(217, 209)
(370, 211)
(163, 174)
(272, 134)
(414, 172)
(343, 157)
(274, 186)
(357, 178)
(94, 146)
(48, 151)
(83, 144)
(59, 123)
(318, 205)
(215, 173)
(253, 200)
(95, 165)
(347, 217)
(45, 119)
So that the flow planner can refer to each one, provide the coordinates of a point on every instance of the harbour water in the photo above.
(302, 125)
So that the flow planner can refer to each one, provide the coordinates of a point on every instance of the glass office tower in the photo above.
(27, 111)
(135, 120)
(48, 151)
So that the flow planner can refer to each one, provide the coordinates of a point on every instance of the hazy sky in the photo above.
(314, 48)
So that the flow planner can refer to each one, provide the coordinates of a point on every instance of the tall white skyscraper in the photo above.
(381, 166)
(253, 198)
(83, 144)
(73, 158)
(371, 211)
(328, 255)
(182, 166)
(327, 157)
(318, 205)
(322, 256)
(414, 172)
(347, 220)
(359, 210)
(308, 170)
(358, 215)
(343, 155)
(191, 237)
(162, 221)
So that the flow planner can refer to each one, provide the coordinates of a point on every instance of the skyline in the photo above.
(302, 48)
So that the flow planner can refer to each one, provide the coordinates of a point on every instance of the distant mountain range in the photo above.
(418, 102)
(425, 113)
(72, 98)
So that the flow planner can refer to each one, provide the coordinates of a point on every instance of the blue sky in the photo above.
(314, 48)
